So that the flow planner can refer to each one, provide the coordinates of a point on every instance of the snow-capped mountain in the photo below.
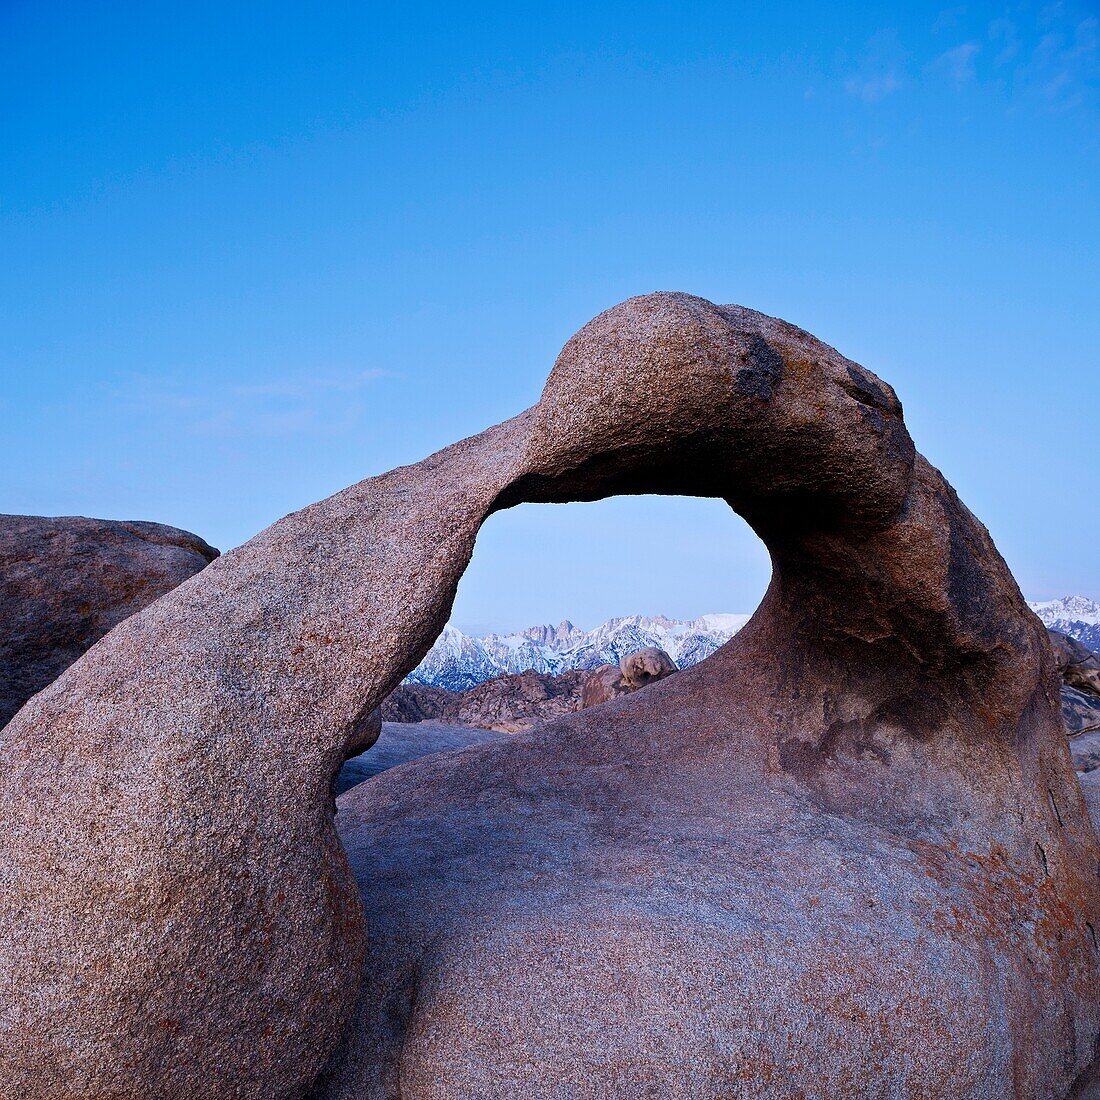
(458, 661)
(1077, 616)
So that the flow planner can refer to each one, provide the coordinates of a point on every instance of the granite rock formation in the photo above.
(645, 666)
(845, 856)
(1080, 671)
(65, 582)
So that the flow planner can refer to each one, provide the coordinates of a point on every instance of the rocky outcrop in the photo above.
(418, 703)
(645, 666)
(511, 704)
(1078, 665)
(1080, 711)
(508, 704)
(65, 582)
(1079, 668)
(634, 671)
(524, 700)
(846, 856)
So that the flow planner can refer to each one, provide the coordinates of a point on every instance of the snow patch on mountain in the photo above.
(1077, 616)
(458, 661)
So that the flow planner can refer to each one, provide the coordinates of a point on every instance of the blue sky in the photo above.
(250, 253)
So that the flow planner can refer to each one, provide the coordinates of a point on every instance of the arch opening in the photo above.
(588, 563)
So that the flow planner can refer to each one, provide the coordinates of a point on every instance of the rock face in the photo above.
(367, 732)
(602, 685)
(846, 856)
(65, 582)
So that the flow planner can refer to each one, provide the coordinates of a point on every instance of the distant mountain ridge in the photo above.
(460, 661)
(1077, 616)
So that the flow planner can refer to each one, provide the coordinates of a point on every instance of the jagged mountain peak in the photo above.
(1077, 616)
(1070, 608)
(460, 661)
(546, 634)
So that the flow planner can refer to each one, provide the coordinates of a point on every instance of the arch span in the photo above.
(179, 918)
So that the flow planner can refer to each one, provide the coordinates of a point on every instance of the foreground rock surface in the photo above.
(1085, 751)
(1090, 788)
(844, 857)
(402, 742)
(65, 582)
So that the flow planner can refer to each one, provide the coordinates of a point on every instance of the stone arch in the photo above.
(178, 774)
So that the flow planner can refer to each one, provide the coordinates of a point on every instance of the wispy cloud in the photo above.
(871, 89)
(314, 402)
(958, 63)
(949, 19)
(1065, 64)
(880, 71)
(1047, 56)
(1004, 41)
